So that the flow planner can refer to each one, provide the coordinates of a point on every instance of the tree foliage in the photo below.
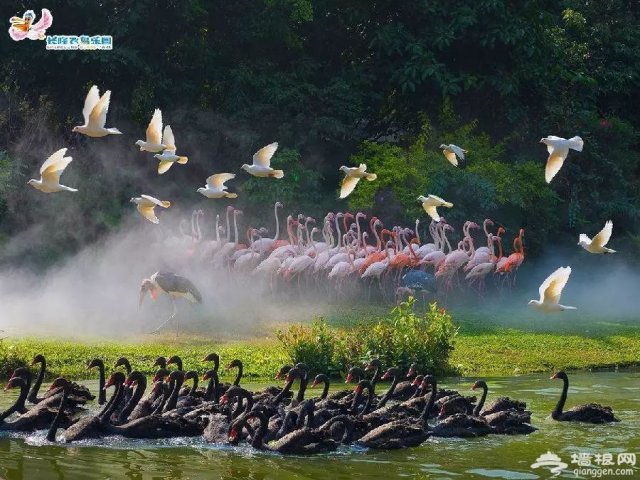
(334, 82)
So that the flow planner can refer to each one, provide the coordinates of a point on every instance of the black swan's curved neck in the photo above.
(106, 412)
(278, 398)
(213, 392)
(257, 441)
(376, 377)
(302, 387)
(388, 393)
(194, 387)
(358, 396)
(18, 406)
(476, 411)
(51, 434)
(102, 394)
(33, 394)
(161, 403)
(236, 382)
(306, 415)
(141, 385)
(557, 412)
(173, 398)
(325, 390)
(247, 408)
(432, 399)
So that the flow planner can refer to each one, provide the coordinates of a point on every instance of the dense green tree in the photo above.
(384, 82)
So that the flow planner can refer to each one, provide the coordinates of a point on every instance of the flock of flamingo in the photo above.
(354, 248)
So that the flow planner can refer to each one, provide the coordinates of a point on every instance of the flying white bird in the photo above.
(50, 173)
(352, 176)
(153, 141)
(558, 149)
(168, 155)
(95, 115)
(261, 166)
(550, 292)
(146, 205)
(452, 153)
(597, 245)
(430, 202)
(215, 187)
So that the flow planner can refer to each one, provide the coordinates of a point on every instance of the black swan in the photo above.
(403, 433)
(374, 365)
(590, 413)
(79, 393)
(34, 419)
(460, 425)
(498, 405)
(302, 441)
(211, 393)
(217, 430)
(236, 363)
(160, 362)
(99, 364)
(175, 359)
(90, 426)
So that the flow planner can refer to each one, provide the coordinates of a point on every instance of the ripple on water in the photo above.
(507, 474)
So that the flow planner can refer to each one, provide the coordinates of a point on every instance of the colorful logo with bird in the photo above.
(23, 27)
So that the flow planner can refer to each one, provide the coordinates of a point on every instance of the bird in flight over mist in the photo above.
(50, 173)
(597, 244)
(550, 292)
(146, 205)
(95, 115)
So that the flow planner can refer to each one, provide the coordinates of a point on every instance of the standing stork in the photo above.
(173, 285)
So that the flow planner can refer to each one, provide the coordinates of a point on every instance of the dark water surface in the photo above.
(32, 457)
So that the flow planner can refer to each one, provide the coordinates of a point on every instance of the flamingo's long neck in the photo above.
(338, 232)
(413, 254)
(235, 227)
(484, 227)
(290, 230)
(275, 214)
(433, 230)
(306, 229)
(218, 229)
(228, 229)
(378, 241)
(313, 243)
(499, 240)
(444, 236)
